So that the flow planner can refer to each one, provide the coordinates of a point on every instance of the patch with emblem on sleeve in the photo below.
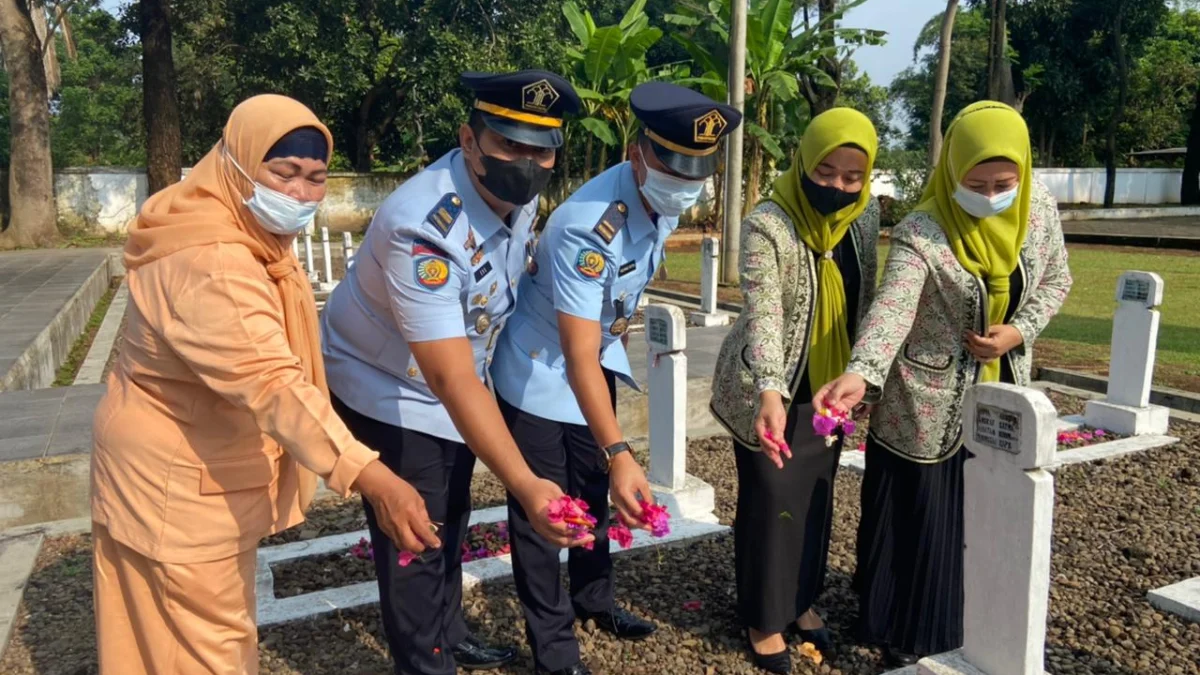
(611, 222)
(443, 215)
(431, 271)
(426, 247)
(627, 268)
(590, 262)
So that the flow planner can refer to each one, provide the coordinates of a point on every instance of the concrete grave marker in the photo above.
(308, 255)
(328, 259)
(1007, 519)
(709, 271)
(666, 336)
(1127, 409)
(347, 248)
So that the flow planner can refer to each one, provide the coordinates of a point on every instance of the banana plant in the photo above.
(607, 63)
(779, 52)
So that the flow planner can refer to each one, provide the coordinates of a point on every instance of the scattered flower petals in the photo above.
(827, 422)
(809, 651)
(862, 447)
(620, 534)
(1081, 437)
(693, 606)
(406, 558)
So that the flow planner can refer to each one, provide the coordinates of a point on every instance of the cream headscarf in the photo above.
(207, 207)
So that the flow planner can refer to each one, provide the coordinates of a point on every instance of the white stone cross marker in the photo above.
(666, 336)
(1007, 519)
(1127, 409)
(296, 248)
(347, 248)
(709, 271)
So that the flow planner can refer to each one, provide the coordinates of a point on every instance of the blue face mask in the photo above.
(983, 206)
(276, 212)
(667, 195)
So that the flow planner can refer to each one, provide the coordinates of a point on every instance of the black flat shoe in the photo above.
(899, 659)
(779, 663)
(621, 623)
(820, 638)
(473, 654)
(577, 669)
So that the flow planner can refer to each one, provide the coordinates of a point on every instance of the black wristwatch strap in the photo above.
(616, 449)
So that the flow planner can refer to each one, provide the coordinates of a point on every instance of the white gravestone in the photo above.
(666, 336)
(1127, 409)
(308, 254)
(326, 254)
(296, 248)
(709, 271)
(347, 248)
(1007, 519)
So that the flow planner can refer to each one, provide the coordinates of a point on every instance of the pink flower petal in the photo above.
(406, 558)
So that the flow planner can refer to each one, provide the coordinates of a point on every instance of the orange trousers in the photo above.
(158, 618)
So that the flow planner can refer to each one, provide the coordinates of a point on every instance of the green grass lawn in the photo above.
(1080, 335)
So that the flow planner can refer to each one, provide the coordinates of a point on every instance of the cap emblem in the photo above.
(539, 97)
(708, 127)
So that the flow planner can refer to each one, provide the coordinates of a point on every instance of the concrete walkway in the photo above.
(46, 298)
(47, 422)
(1155, 232)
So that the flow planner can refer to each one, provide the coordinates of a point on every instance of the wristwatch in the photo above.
(607, 454)
(872, 395)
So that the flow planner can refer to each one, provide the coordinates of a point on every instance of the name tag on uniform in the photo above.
(483, 271)
(627, 268)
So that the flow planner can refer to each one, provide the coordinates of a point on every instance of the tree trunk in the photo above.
(1114, 121)
(1191, 165)
(160, 104)
(1050, 149)
(1000, 82)
(603, 158)
(31, 219)
(826, 97)
(587, 158)
(939, 84)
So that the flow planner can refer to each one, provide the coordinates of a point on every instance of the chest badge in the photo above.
(619, 326)
(482, 322)
(475, 259)
(469, 244)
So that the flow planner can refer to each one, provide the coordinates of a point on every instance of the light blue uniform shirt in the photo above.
(437, 263)
(595, 257)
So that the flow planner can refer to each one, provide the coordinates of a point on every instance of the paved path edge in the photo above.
(17, 557)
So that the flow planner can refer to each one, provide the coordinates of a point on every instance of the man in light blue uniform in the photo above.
(558, 359)
(408, 336)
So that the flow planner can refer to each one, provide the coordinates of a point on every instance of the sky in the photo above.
(903, 20)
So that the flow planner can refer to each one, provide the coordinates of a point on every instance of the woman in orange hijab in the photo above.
(217, 416)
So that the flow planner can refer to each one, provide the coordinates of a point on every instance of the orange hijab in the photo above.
(207, 207)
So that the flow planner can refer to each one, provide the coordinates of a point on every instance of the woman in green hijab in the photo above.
(807, 272)
(974, 275)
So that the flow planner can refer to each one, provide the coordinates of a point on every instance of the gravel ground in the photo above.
(1121, 528)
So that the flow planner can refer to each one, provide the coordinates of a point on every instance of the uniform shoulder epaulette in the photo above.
(611, 221)
(443, 215)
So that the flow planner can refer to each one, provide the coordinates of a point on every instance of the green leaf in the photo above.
(635, 47)
(579, 25)
(632, 13)
(588, 94)
(782, 84)
(574, 53)
(681, 20)
(600, 129)
(639, 24)
(601, 51)
(765, 139)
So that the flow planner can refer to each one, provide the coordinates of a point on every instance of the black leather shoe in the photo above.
(899, 659)
(621, 623)
(473, 654)
(577, 669)
(779, 663)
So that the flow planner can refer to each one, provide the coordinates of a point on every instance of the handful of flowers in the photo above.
(654, 515)
(827, 421)
(573, 512)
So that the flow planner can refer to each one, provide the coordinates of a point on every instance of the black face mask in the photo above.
(825, 199)
(514, 181)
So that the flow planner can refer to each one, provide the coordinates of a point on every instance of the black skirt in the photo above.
(910, 553)
(784, 521)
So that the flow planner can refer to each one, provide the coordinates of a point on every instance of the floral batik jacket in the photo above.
(911, 343)
(767, 348)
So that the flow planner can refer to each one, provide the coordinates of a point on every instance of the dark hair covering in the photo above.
(304, 143)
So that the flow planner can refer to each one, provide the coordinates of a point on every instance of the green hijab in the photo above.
(830, 339)
(987, 248)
